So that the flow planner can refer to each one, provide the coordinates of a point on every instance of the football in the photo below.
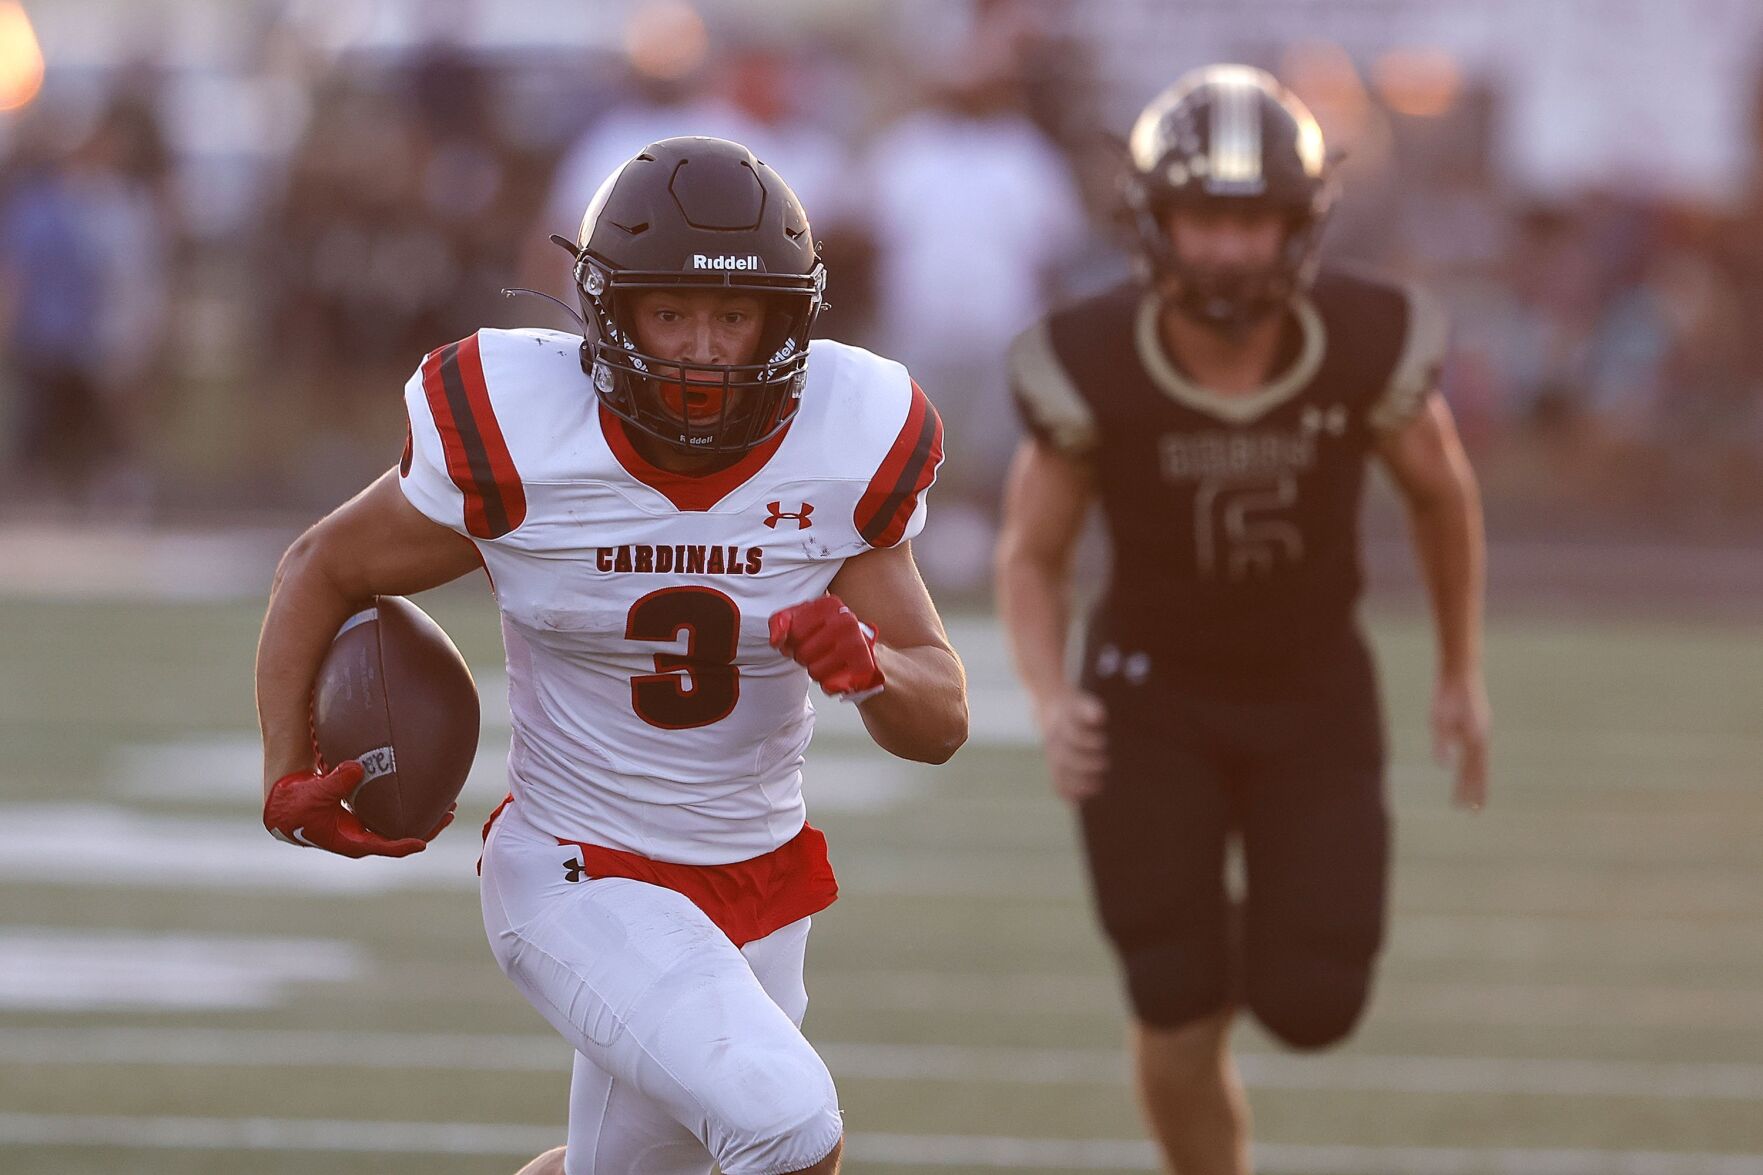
(394, 693)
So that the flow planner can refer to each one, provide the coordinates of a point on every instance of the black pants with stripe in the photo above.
(1292, 766)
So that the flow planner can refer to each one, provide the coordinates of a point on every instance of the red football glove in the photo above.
(306, 808)
(836, 648)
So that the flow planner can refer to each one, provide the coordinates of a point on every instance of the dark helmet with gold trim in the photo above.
(1227, 136)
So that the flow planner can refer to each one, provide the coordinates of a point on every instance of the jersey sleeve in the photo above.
(456, 467)
(1416, 372)
(891, 508)
(1047, 400)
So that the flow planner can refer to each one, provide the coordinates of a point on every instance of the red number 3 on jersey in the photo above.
(701, 685)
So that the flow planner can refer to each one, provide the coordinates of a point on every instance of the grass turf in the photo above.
(1603, 910)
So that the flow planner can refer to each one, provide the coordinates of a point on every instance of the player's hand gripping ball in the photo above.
(836, 648)
(306, 808)
(395, 716)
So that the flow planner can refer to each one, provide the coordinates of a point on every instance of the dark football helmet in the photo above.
(698, 213)
(1230, 136)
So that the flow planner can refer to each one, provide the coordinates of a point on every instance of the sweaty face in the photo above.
(703, 327)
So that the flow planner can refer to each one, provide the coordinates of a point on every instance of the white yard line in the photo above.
(1408, 1001)
(54, 844)
(901, 1150)
(68, 968)
(275, 1134)
(1010, 1065)
(107, 847)
(284, 1049)
(63, 969)
(914, 1150)
(1677, 1081)
(91, 562)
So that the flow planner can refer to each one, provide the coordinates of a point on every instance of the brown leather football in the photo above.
(394, 693)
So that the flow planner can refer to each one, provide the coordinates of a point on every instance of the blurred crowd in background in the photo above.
(214, 281)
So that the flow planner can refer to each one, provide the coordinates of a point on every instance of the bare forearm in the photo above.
(1449, 543)
(305, 610)
(922, 714)
(1034, 602)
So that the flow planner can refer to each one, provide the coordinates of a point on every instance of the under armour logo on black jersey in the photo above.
(778, 514)
(1332, 420)
(574, 870)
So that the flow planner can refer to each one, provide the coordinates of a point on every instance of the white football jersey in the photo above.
(650, 712)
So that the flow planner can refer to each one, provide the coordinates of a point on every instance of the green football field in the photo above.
(1574, 982)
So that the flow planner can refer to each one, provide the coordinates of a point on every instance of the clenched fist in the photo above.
(836, 648)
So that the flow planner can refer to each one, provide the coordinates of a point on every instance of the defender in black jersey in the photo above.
(1221, 410)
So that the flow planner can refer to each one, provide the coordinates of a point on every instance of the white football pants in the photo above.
(687, 1049)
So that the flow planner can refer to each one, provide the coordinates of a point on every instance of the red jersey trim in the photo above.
(478, 461)
(746, 900)
(905, 473)
(489, 824)
(687, 491)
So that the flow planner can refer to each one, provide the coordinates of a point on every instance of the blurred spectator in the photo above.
(751, 95)
(1705, 411)
(84, 288)
(973, 210)
(134, 225)
(50, 292)
(1602, 364)
(392, 238)
(1552, 313)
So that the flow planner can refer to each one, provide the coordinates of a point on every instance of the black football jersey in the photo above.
(1233, 518)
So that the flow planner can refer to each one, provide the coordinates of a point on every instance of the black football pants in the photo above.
(1294, 767)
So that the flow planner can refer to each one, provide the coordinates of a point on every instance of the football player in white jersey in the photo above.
(687, 516)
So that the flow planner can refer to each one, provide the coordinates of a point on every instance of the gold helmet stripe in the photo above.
(1235, 162)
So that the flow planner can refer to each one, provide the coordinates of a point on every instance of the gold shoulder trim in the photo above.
(1417, 367)
(1047, 392)
(1240, 408)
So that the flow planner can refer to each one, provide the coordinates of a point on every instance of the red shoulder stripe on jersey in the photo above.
(478, 460)
(906, 472)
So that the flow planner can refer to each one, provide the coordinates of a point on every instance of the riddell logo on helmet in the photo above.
(701, 261)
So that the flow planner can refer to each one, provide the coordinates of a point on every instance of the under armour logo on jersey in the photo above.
(573, 870)
(778, 514)
(1332, 420)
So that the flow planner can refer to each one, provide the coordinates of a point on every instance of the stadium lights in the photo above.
(1423, 83)
(21, 58)
(1322, 74)
(666, 39)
